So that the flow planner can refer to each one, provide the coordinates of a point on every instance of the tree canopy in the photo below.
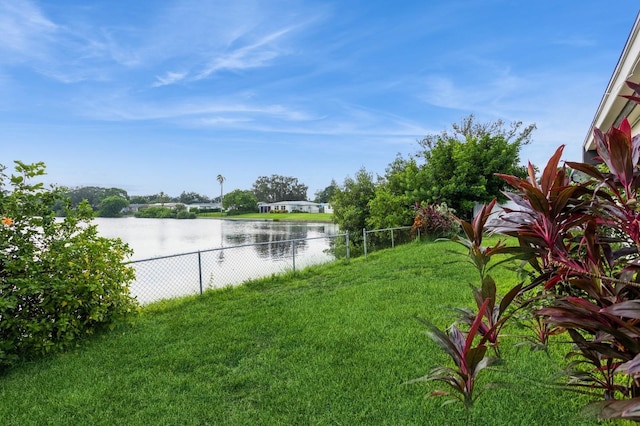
(460, 166)
(325, 195)
(94, 195)
(351, 203)
(240, 200)
(276, 188)
(112, 206)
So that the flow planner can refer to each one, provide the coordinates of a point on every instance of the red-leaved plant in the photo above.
(481, 258)
(468, 356)
(582, 239)
(468, 349)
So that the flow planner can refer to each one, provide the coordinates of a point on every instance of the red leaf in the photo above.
(625, 128)
(474, 327)
(550, 171)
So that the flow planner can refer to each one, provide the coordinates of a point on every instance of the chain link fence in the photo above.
(183, 274)
(378, 239)
(191, 273)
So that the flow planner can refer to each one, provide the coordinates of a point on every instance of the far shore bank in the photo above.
(270, 217)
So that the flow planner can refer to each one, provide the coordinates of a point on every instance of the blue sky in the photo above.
(162, 95)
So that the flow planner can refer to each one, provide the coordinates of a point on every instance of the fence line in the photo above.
(393, 232)
(193, 272)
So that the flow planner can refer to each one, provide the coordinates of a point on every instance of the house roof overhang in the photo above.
(613, 108)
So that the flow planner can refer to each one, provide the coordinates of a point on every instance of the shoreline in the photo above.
(256, 219)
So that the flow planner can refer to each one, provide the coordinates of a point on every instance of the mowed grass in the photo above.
(331, 345)
(286, 217)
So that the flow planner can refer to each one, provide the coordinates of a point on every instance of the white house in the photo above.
(204, 206)
(613, 108)
(294, 206)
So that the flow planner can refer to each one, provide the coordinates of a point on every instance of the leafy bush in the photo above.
(59, 280)
(184, 214)
(160, 212)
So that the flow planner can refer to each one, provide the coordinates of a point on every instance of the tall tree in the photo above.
(470, 128)
(276, 188)
(192, 197)
(325, 195)
(460, 166)
(221, 180)
(94, 195)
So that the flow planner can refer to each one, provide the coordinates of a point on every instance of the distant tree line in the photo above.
(111, 202)
(452, 170)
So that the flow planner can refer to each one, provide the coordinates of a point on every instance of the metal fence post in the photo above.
(200, 270)
(364, 238)
(293, 249)
(392, 243)
(347, 238)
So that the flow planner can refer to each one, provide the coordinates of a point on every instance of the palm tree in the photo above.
(221, 180)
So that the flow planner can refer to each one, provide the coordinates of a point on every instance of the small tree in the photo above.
(240, 201)
(351, 204)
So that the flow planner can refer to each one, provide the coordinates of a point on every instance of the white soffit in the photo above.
(613, 108)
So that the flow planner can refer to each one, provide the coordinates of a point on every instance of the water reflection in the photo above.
(160, 237)
(216, 253)
(273, 239)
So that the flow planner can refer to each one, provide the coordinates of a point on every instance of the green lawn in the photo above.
(331, 345)
(292, 217)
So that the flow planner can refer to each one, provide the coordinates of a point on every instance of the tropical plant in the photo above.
(495, 309)
(485, 324)
(434, 220)
(221, 180)
(582, 239)
(468, 357)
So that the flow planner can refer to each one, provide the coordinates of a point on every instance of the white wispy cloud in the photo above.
(169, 78)
(121, 107)
(256, 54)
(26, 33)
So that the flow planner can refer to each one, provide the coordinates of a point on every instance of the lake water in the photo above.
(192, 255)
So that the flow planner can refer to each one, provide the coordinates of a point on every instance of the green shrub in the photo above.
(59, 280)
(184, 214)
(158, 212)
